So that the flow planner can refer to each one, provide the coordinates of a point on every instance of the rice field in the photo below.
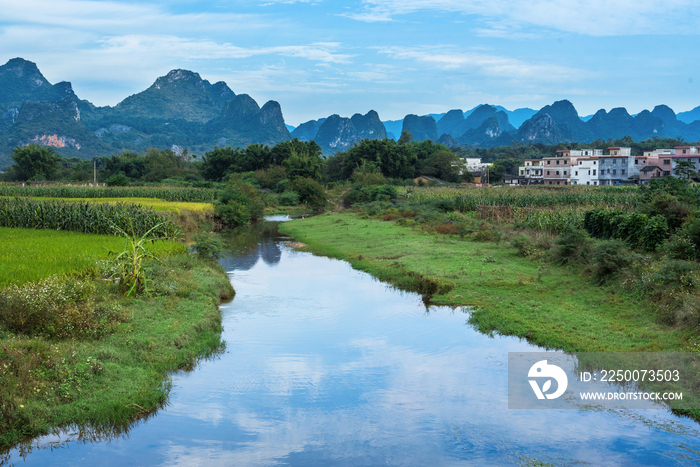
(30, 255)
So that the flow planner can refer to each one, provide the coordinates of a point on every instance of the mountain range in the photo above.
(182, 109)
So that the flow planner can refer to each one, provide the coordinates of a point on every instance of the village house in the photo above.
(585, 172)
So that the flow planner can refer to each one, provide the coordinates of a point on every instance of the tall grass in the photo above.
(83, 217)
(191, 195)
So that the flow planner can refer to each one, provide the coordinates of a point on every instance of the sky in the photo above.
(318, 58)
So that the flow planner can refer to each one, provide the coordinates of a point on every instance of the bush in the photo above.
(572, 244)
(310, 192)
(677, 273)
(269, 178)
(680, 247)
(288, 198)
(208, 245)
(608, 258)
(654, 233)
(239, 204)
(118, 180)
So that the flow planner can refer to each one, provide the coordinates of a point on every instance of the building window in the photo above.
(558, 162)
(593, 171)
(576, 173)
(557, 172)
(588, 183)
(614, 172)
(566, 162)
(623, 171)
(549, 162)
(565, 172)
(614, 161)
(608, 170)
(548, 172)
(557, 183)
(666, 173)
(636, 162)
(667, 161)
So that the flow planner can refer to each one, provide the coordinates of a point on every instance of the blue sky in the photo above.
(317, 58)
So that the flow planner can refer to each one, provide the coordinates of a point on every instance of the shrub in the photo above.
(209, 245)
(239, 204)
(288, 198)
(680, 247)
(654, 233)
(608, 258)
(118, 180)
(310, 192)
(269, 178)
(572, 244)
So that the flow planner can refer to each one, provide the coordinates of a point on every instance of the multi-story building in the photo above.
(682, 154)
(617, 167)
(533, 172)
(557, 170)
(585, 172)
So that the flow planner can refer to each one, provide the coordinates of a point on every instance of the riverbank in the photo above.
(102, 361)
(546, 304)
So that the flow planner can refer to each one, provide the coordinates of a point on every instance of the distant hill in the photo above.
(180, 108)
(183, 109)
(337, 133)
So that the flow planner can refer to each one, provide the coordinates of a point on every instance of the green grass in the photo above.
(106, 384)
(30, 255)
(546, 304)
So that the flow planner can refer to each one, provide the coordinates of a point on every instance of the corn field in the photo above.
(552, 221)
(83, 217)
(190, 195)
(470, 199)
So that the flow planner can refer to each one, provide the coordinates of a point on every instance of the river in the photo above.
(325, 365)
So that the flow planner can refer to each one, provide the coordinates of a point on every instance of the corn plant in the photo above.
(83, 217)
(201, 195)
(128, 266)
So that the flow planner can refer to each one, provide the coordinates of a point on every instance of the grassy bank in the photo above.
(109, 361)
(547, 304)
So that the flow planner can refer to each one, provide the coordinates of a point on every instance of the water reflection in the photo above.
(326, 366)
(250, 243)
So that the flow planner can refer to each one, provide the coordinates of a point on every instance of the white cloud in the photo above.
(489, 65)
(588, 17)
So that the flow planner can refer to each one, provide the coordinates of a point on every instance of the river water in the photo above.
(326, 366)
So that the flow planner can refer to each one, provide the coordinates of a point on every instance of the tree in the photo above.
(406, 137)
(34, 161)
(216, 163)
(685, 169)
(302, 165)
(444, 165)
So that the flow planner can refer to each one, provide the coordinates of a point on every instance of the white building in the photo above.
(585, 172)
(475, 165)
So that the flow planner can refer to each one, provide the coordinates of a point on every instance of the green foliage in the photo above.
(83, 217)
(572, 244)
(303, 165)
(33, 161)
(118, 180)
(685, 169)
(442, 164)
(270, 177)
(57, 308)
(608, 258)
(635, 228)
(288, 198)
(365, 194)
(310, 192)
(128, 266)
(654, 233)
(189, 195)
(209, 246)
(239, 204)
